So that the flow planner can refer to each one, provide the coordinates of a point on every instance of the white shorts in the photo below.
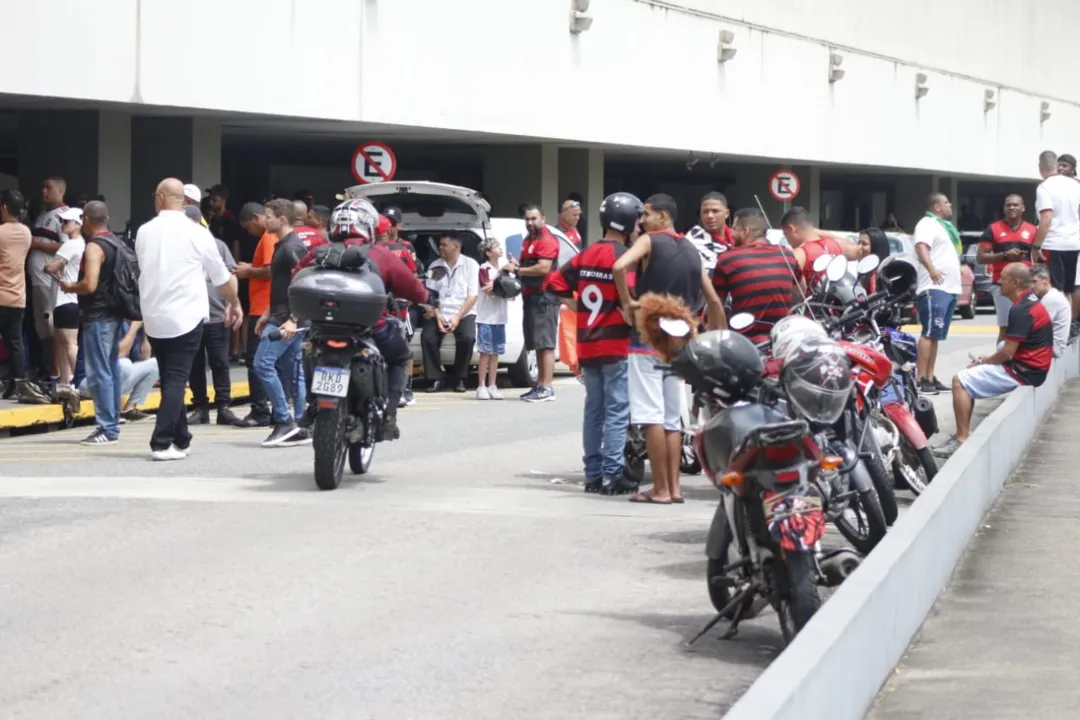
(654, 399)
(987, 381)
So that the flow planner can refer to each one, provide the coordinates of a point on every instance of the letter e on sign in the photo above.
(373, 162)
(784, 185)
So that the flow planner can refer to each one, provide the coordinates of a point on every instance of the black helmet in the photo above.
(393, 214)
(897, 275)
(620, 212)
(721, 361)
(506, 286)
(817, 377)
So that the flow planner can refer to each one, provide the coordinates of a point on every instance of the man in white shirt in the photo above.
(176, 257)
(457, 280)
(939, 285)
(1056, 304)
(1057, 201)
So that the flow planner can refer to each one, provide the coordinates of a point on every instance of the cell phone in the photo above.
(973, 358)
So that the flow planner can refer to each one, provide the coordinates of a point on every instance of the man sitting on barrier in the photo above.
(1022, 359)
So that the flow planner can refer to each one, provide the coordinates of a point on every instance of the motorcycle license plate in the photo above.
(330, 381)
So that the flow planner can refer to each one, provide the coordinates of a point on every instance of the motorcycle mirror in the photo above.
(822, 262)
(836, 269)
(741, 321)
(675, 327)
(868, 264)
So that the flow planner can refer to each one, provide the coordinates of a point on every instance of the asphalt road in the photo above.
(467, 577)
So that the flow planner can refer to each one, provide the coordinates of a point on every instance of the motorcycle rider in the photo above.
(353, 223)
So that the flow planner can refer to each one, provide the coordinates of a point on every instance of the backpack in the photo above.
(122, 292)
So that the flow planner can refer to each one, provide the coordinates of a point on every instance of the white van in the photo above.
(429, 209)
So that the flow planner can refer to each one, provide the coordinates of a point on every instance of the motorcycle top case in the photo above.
(338, 297)
(723, 434)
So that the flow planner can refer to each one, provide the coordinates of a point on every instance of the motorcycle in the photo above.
(637, 453)
(912, 416)
(343, 298)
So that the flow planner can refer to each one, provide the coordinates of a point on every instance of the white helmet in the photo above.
(789, 333)
(354, 218)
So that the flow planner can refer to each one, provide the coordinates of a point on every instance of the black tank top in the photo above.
(674, 268)
(97, 305)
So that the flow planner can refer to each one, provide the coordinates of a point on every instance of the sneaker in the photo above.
(29, 393)
(947, 449)
(493, 393)
(390, 429)
(482, 392)
(939, 387)
(225, 416)
(408, 398)
(253, 421)
(594, 486)
(307, 420)
(301, 438)
(543, 394)
(281, 433)
(927, 388)
(98, 437)
(170, 453)
(528, 396)
(198, 416)
(133, 415)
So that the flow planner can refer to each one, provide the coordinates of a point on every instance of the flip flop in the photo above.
(647, 499)
(678, 500)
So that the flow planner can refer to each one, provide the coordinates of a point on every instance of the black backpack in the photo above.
(122, 291)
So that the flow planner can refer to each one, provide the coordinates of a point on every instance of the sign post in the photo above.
(373, 162)
(784, 186)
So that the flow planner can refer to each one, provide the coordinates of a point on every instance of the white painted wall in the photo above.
(643, 76)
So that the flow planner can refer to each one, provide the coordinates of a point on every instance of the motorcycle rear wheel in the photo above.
(920, 464)
(329, 446)
(798, 598)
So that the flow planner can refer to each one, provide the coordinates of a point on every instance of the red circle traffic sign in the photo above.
(373, 162)
(784, 185)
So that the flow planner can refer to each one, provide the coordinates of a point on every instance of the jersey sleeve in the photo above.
(547, 249)
(1020, 324)
(986, 240)
(564, 281)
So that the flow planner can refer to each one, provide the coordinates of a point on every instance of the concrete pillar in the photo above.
(912, 192)
(515, 174)
(161, 147)
(581, 170)
(114, 165)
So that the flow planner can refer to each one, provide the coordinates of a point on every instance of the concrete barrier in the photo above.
(838, 663)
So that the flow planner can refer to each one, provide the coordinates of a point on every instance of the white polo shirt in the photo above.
(460, 282)
(176, 257)
(935, 237)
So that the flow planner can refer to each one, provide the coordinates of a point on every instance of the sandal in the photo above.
(648, 499)
(678, 500)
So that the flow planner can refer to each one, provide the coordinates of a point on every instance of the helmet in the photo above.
(506, 286)
(620, 212)
(817, 377)
(383, 226)
(792, 330)
(393, 214)
(721, 361)
(897, 275)
(353, 218)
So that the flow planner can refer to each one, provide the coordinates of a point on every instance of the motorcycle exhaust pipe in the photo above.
(925, 416)
(839, 565)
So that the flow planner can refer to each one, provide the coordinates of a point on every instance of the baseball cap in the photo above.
(72, 214)
(1067, 159)
(392, 214)
(383, 226)
(192, 193)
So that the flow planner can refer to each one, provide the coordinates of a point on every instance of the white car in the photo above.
(429, 209)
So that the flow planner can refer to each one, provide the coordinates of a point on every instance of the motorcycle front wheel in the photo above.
(329, 446)
(914, 469)
(883, 483)
(863, 522)
(798, 597)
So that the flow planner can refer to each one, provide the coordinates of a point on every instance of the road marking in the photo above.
(955, 329)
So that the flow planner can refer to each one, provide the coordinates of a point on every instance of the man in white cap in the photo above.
(193, 196)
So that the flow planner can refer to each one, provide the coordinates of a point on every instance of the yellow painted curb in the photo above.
(24, 416)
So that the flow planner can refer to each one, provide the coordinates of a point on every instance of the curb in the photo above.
(838, 663)
(25, 416)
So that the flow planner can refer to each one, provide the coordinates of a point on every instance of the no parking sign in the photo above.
(373, 162)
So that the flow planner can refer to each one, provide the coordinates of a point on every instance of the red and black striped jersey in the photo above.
(1030, 326)
(760, 279)
(602, 334)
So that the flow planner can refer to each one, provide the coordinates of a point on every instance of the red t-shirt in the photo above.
(572, 234)
(544, 246)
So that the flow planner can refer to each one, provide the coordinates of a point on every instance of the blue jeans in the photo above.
(268, 357)
(101, 340)
(607, 416)
(935, 309)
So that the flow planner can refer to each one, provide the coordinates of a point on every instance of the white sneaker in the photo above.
(493, 393)
(482, 393)
(170, 453)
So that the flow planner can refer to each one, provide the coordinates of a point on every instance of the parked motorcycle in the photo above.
(636, 452)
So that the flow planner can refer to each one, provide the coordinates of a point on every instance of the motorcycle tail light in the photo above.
(337, 344)
(831, 462)
(787, 476)
(732, 479)
(782, 453)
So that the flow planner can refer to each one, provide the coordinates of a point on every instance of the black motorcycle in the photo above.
(342, 299)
